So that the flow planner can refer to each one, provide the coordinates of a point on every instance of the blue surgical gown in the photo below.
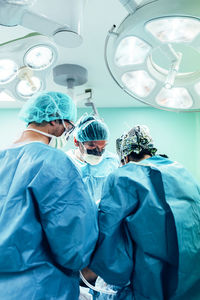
(94, 176)
(48, 224)
(149, 222)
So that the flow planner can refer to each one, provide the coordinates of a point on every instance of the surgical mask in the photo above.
(92, 156)
(58, 142)
(92, 159)
(55, 142)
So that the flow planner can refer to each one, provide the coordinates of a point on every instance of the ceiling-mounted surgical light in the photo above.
(28, 84)
(177, 98)
(27, 89)
(197, 88)
(39, 57)
(154, 55)
(174, 29)
(138, 82)
(8, 70)
(131, 51)
(25, 65)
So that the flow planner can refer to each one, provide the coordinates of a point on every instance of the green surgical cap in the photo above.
(136, 140)
(48, 106)
(91, 128)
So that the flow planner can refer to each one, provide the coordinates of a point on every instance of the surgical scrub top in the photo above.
(94, 176)
(48, 224)
(149, 222)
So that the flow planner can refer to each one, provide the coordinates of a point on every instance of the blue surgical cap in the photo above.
(48, 106)
(91, 128)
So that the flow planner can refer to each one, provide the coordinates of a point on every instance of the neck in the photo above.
(128, 159)
(146, 156)
(30, 136)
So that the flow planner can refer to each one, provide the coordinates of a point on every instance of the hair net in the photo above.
(48, 106)
(91, 128)
(136, 140)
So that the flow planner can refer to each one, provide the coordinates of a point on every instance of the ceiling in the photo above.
(99, 16)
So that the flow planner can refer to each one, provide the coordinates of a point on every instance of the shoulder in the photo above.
(161, 164)
(111, 157)
(128, 174)
(53, 160)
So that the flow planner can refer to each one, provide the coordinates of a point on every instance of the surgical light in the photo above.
(139, 82)
(174, 29)
(39, 57)
(25, 65)
(8, 70)
(174, 98)
(27, 88)
(197, 87)
(131, 50)
(154, 54)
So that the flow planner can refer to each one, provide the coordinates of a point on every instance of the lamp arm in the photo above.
(131, 5)
(40, 23)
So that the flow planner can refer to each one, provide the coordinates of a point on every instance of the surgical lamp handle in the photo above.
(173, 71)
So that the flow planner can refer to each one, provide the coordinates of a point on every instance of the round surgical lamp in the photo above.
(154, 54)
(28, 84)
(39, 57)
(25, 64)
(8, 70)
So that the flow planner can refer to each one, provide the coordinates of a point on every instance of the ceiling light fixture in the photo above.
(25, 65)
(154, 54)
(39, 57)
(8, 70)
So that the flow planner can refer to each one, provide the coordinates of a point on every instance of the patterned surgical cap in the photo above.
(136, 140)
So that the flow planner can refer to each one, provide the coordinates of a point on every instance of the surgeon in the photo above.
(47, 218)
(90, 156)
(149, 222)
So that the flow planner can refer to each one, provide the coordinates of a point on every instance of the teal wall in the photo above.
(175, 134)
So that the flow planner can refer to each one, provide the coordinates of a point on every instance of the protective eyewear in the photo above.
(69, 129)
(94, 151)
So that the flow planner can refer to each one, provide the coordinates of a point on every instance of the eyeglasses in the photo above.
(70, 128)
(95, 150)
(95, 144)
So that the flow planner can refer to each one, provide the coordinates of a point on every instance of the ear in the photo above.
(127, 159)
(76, 143)
(52, 123)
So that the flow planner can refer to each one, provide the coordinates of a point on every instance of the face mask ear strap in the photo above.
(67, 136)
(64, 126)
(39, 131)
